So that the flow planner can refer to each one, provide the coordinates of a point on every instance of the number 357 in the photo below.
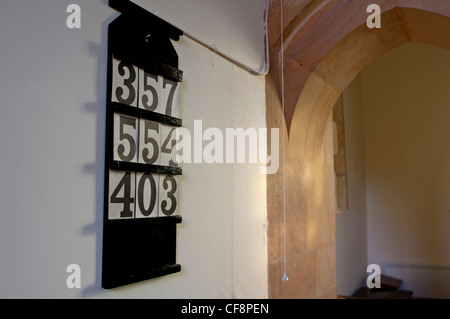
(136, 87)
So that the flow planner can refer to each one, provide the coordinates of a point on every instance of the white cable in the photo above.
(254, 71)
(285, 277)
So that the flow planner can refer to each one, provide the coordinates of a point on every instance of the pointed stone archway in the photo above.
(327, 43)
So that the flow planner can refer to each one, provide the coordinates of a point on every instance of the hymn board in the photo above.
(141, 179)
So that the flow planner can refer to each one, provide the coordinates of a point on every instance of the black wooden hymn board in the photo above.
(141, 179)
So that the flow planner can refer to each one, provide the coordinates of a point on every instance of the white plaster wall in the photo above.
(351, 230)
(406, 114)
(52, 126)
(396, 115)
(229, 25)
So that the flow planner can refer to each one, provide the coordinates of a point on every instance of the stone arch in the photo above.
(327, 43)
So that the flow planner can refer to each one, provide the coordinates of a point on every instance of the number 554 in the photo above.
(154, 146)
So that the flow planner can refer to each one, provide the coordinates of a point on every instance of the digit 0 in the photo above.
(142, 194)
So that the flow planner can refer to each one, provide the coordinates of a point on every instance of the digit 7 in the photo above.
(171, 98)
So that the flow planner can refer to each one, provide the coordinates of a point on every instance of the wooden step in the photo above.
(366, 293)
(390, 282)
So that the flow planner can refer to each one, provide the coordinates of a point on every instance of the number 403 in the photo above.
(142, 195)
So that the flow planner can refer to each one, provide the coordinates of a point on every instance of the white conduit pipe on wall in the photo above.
(214, 48)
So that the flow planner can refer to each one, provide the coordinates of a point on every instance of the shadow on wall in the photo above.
(99, 108)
